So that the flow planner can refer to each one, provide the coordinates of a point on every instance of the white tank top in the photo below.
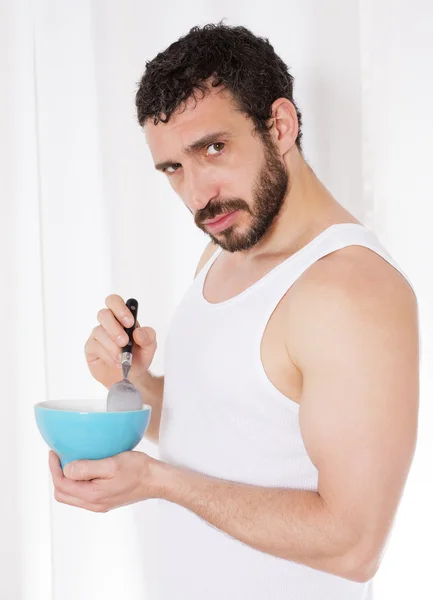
(223, 417)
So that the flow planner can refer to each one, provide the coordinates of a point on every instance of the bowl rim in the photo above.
(40, 405)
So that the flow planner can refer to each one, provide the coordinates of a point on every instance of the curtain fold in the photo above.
(25, 501)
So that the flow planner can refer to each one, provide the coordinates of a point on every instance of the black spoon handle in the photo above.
(132, 304)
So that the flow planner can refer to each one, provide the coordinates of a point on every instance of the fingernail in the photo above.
(122, 339)
(128, 321)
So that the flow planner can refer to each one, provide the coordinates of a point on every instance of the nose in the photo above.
(199, 188)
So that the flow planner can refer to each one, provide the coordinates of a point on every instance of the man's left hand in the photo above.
(101, 485)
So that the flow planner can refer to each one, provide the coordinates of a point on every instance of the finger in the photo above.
(63, 485)
(94, 351)
(102, 346)
(112, 326)
(119, 309)
(86, 470)
(55, 467)
(144, 336)
(78, 502)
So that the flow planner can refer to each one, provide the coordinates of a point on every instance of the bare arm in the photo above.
(152, 386)
(354, 337)
(152, 390)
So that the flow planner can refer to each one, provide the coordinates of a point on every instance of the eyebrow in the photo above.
(199, 144)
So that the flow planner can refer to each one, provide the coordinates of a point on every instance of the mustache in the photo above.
(211, 211)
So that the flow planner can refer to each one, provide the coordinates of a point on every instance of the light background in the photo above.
(84, 214)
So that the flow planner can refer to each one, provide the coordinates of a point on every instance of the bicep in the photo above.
(358, 355)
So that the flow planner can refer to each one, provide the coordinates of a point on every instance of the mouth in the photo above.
(221, 222)
(210, 221)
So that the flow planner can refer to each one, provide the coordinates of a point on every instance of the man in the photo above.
(287, 417)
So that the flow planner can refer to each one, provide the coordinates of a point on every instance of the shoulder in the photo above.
(207, 253)
(352, 293)
(356, 269)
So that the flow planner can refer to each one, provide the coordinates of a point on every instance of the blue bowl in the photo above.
(83, 429)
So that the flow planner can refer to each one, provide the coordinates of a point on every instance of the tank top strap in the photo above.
(205, 268)
(274, 284)
(335, 237)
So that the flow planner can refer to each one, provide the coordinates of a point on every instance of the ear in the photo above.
(284, 125)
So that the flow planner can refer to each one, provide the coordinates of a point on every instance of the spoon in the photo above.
(123, 395)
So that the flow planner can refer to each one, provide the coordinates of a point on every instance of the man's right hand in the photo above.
(104, 346)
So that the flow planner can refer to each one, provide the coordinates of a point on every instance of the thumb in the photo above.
(144, 336)
(85, 470)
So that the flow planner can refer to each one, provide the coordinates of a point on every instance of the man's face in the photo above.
(231, 172)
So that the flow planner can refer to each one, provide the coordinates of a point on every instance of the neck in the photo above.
(308, 208)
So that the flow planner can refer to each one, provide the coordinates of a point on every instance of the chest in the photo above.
(222, 283)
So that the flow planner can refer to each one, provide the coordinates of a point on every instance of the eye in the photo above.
(166, 170)
(215, 145)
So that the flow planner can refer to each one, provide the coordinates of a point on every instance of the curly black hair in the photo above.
(243, 63)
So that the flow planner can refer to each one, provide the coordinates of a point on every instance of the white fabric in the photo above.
(83, 214)
(223, 417)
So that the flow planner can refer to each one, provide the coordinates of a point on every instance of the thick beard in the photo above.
(269, 193)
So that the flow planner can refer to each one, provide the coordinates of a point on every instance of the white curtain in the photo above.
(84, 214)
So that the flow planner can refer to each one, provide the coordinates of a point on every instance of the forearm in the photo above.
(291, 524)
(152, 389)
